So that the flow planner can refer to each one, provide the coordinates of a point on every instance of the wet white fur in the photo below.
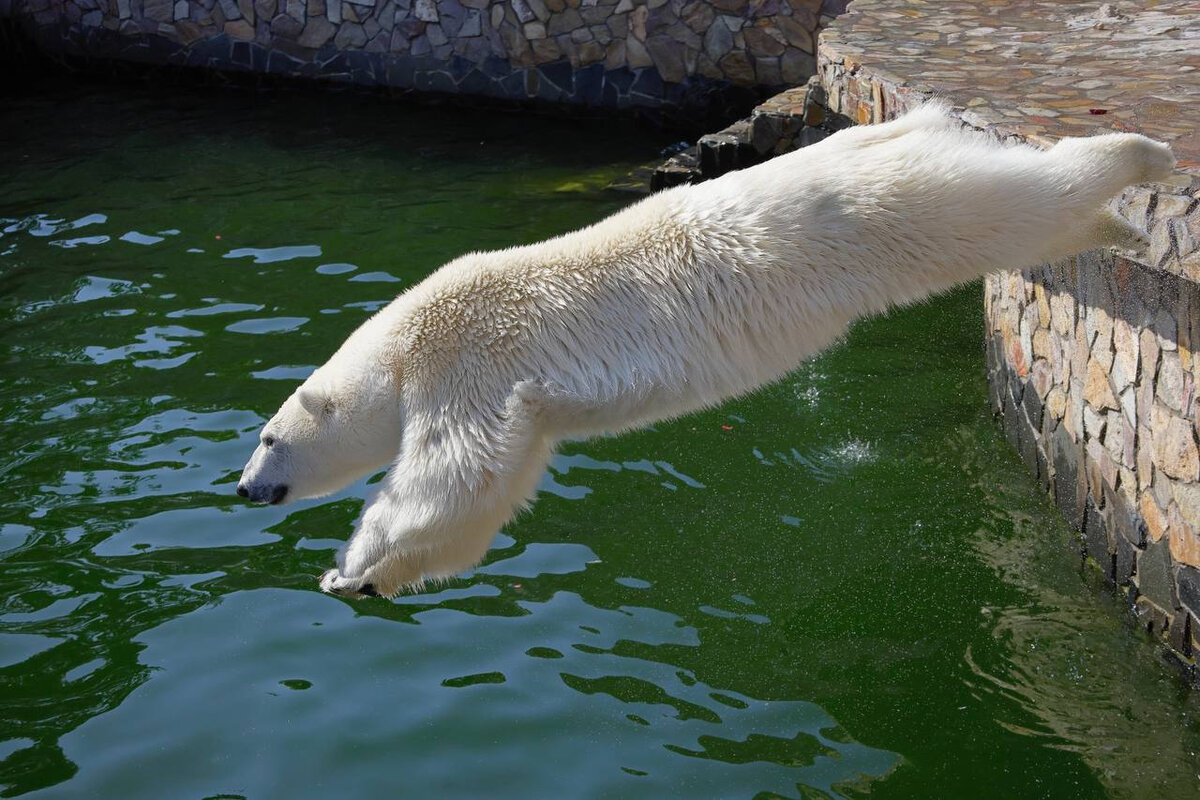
(691, 296)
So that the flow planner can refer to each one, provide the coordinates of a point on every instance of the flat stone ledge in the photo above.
(1039, 72)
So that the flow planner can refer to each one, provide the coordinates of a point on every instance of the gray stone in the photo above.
(437, 36)
(286, 27)
(1170, 384)
(472, 24)
(1067, 457)
(565, 22)
(316, 32)
(1124, 560)
(718, 41)
(350, 36)
(425, 10)
(1188, 583)
(523, 11)
(667, 57)
(1154, 575)
(1095, 536)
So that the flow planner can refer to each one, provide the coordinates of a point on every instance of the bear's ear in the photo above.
(314, 400)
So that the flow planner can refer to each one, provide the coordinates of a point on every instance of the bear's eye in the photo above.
(268, 441)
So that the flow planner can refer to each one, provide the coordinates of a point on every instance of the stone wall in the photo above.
(611, 53)
(1092, 365)
(1092, 362)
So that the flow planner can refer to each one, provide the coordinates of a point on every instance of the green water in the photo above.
(842, 586)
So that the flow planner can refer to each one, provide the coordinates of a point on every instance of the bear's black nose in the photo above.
(243, 491)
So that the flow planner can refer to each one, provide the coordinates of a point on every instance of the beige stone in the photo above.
(614, 56)
(1073, 421)
(1155, 519)
(1104, 464)
(637, 23)
(1187, 498)
(759, 41)
(1059, 360)
(1094, 423)
(1114, 436)
(1056, 402)
(1184, 541)
(1145, 458)
(1042, 343)
(1174, 445)
(797, 34)
(590, 53)
(1096, 390)
(1041, 377)
(1125, 356)
(737, 68)
(1169, 386)
(545, 51)
(1062, 313)
(1128, 485)
(534, 30)
(637, 54)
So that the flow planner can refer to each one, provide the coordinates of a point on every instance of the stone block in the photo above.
(426, 11)
(718, 41)
(1187, 581)
(1154, 579)
(1174, 444)
(317, 31)
(1067, 458)
(667, 57)
(285, 27)
(563, 23)
(1155, 619)
(637, 55)
(1095, 536)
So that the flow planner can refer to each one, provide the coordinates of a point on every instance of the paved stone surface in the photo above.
(1040, 69)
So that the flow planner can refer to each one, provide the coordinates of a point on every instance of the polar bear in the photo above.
(465, 382)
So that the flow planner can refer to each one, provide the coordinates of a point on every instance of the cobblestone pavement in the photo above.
(1041, 70)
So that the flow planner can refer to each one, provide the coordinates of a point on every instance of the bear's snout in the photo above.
(272, 495)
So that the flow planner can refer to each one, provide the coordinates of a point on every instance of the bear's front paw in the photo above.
(332, 582)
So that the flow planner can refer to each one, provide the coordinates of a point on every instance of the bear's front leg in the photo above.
(457, 481)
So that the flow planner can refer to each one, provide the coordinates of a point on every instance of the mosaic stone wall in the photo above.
(1092, 366)
(612, 53)
(1093, 362)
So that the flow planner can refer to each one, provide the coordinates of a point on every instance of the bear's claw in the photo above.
(332, 582)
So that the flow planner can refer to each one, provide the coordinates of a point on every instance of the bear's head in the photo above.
(340, 425)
